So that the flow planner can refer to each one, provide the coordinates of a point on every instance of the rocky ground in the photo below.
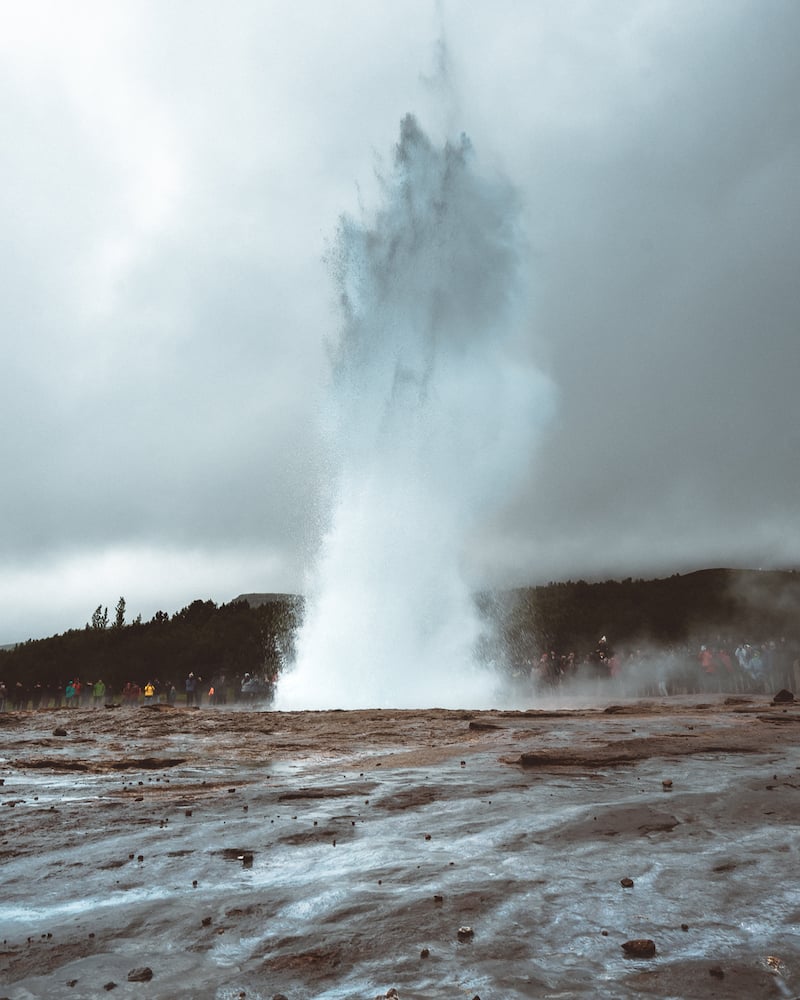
(169, 852)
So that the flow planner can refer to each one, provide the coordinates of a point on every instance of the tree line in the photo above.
(207, 640)
(233, 639)
(735, 605)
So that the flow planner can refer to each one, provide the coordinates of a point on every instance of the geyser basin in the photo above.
(376, 835)
(431, 418)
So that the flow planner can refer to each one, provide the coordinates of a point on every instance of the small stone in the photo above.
(427, 836)
(279, 996)
(188, 812)
(666, 784)
(465, 933)
(140, 975)
(684, 927)
(110, 986)
(716, 972)
(206, 921)
(783, 697)
(58, 731)
(72, 982)
(425, 953)
(639, 948)
(438, 899)
(626, 883)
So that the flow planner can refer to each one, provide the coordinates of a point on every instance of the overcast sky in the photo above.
(172, 173)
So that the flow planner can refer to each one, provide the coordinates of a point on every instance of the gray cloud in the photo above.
(174, 175)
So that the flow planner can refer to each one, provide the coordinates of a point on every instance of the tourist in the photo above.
(98, 692)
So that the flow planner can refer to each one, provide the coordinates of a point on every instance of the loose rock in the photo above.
(626, 882)
(465, 933)
(142, 975)
(639, 948)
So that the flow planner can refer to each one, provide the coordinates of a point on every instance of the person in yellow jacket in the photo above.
(149, 691)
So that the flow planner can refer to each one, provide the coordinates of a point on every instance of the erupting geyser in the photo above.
(431, 420)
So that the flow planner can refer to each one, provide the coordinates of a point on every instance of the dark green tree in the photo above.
(119, 618)
(100, 617)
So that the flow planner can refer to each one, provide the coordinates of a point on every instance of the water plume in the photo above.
(431, 418)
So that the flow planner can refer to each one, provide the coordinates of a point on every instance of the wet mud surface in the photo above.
(439, 854)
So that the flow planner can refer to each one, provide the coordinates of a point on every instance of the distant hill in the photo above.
(709, 605)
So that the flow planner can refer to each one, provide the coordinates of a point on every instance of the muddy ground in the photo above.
(440, 854)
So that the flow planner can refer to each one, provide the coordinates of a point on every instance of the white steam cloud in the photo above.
(431, 420)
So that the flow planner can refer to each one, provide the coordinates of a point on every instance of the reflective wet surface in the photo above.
(339, 854)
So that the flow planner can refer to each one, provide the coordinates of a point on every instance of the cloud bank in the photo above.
(173, 176)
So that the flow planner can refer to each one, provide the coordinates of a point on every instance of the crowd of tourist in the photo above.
(76, 693)
(716, 666)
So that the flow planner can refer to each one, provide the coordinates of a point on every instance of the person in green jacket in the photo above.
(98, 693)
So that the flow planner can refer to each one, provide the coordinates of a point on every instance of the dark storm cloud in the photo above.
(174, 174)
(667, 252)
